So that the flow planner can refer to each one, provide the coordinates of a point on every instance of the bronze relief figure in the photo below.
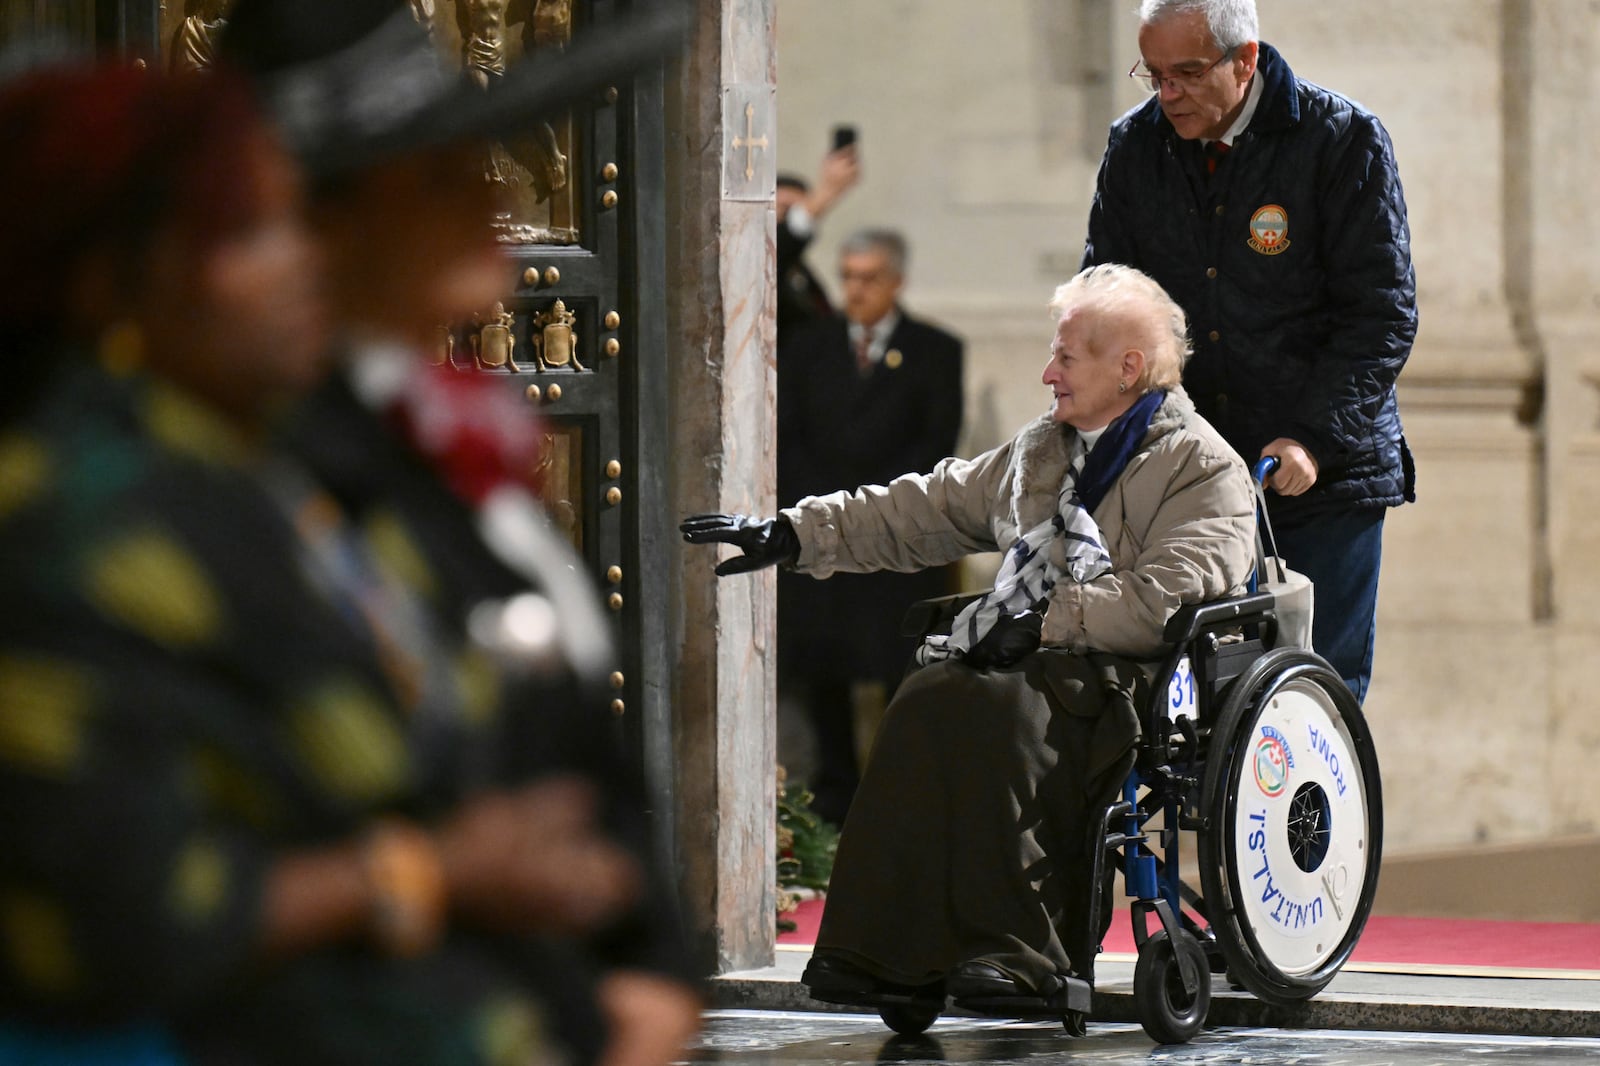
(555, 340)
(532, 171)
(494, 343)
(194, 41)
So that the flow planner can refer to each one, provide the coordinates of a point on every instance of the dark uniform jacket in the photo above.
(204, 666)
(838, 429)
(1293, 263)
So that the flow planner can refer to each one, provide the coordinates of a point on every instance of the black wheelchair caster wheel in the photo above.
(1075, 1022)
(1169, 1011)
(909, 1019)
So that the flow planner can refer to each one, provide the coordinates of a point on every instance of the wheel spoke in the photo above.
(1308, 829)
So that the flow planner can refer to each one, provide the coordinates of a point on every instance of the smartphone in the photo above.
(843, 137)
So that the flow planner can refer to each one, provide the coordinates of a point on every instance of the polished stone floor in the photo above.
(796, 1039)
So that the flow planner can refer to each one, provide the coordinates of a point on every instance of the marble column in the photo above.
(720, 163)
(1558, 83)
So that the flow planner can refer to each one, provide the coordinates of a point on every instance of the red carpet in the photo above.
(1449, 944)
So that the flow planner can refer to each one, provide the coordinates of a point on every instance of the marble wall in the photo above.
(981, 127)
(720, 328)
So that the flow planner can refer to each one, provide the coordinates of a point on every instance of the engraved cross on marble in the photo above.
(749, 142)
(749, 170)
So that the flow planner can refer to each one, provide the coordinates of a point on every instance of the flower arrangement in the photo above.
(806, 845)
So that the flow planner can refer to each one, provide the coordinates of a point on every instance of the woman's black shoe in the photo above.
(977, 979)
(985, 988)
(834, 979)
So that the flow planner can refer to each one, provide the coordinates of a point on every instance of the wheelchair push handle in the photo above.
(1264, 468)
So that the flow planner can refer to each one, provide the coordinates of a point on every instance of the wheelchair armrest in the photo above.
(1190, 621)
(926, 617)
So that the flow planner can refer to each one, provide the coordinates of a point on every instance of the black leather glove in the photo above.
(1013, 636)
(764, 541)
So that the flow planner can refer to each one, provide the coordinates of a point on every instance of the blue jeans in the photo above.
(1340, 553)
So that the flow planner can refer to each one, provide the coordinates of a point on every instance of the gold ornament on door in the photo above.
(555, 340)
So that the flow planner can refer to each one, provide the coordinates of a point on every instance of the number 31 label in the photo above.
(1180, 694)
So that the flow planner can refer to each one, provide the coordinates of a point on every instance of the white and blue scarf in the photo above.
(1029, 571)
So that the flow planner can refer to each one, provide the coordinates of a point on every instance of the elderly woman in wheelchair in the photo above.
(966, 865)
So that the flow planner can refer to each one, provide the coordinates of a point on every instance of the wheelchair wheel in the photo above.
(1170, 1012)
(909, 1019)
(1294, 826)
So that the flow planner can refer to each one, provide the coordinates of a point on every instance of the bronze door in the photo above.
(581, 341)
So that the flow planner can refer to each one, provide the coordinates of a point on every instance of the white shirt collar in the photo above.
(1242, 123)
(878, 342)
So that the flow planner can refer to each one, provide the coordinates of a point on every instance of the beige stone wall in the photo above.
(981, 127)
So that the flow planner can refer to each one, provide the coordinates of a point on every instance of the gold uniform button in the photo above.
(1211, 272)
(1215, 336)
(892, 359)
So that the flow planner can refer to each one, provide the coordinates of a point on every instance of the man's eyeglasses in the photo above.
(1177, 79)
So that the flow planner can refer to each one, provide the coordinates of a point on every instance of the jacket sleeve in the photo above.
(914, 522)
(1371, 293)
(790, 246)
(1198, 545)
(1108, 239)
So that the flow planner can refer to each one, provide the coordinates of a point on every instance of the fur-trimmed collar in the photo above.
(1041, 450)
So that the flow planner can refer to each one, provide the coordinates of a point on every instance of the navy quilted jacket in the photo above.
(1293, 263)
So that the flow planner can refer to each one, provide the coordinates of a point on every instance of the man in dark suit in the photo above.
(800, 207)
(862, 399)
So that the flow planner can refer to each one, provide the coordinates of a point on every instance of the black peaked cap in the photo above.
(351, 83)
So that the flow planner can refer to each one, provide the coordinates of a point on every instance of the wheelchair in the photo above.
(1261, 752)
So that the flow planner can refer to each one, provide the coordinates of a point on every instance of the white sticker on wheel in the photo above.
(1300, 835)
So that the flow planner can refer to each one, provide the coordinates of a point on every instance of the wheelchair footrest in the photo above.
(876, 999)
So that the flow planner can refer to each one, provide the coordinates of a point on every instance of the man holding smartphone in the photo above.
(801, 298)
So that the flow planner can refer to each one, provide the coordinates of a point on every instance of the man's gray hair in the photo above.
(1132, 306)
(1232, 22)
(887, 241)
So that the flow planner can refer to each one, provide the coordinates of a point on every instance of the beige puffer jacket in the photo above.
(1179, 524)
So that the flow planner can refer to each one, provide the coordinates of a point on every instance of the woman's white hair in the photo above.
(1133, 306)
(1232, 22)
